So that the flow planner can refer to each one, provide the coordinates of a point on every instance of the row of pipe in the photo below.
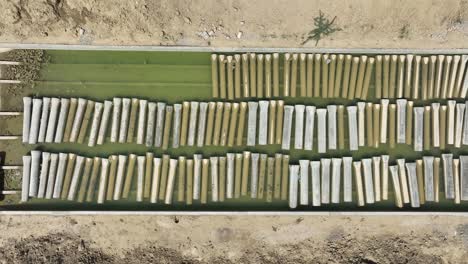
(252, 75)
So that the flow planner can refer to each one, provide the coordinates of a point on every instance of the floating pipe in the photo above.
(230, 78)
(204, 181)
(276, 89)
(293, 185)
(245, 75)
(392, 126)
(68, 176)
(346, 76)
(393, 74)
(93, 134)
(233, 124)
(217, 123)
(103, 181)
(376, 177)
(385, 160)
(238, 175)
(303, 76)
(120, 176)
(321, 129)
(261, 176)
(202, 124)
(403, 181)
(181, 179)
(429, 178)
(332, 133)
(252, 123)
(268, 91)
(44, 119)
(113, 163)
(263, 122)
(420, 180)
(184, 125)
(269, 183)
(360, 78)
(80, 109)
(338, 75)
(230, 175)
(347, 179)
(60, 175)
(197, 160)
(27, 108)
(432, 77)
(43, 174)
(460, 111)
(76, 177)
(446, 77)
(167, 127)
(309, 127)
(352, 127)
(141, 162)
(409, 122)
(193, 123)
(325, 62)
(401, 120)
(52, 175)
(299, 126)
(436, 178)
(367, 78)
(149, 141)
(358, 181)
(35, 119)
(418, 128)
(447, 159)
(464, 178)
(222, 76)
(124, 120)
(353, 78)
(129, 176)
(286, 69)
(361, 123)
(155, 183)
(376, 123)
(435, 124)
(278, 172)
(396, 186)
(331, 81)
(259, 75)
(425, 78)
(369, 124)
(225, 124)
(84, 180)
(170, 181)
(401, 76)
(272, 123)
(288, 113)
(378, 76)
(284, 177)
(67, 112)
(158, 135)
(427, 127)
(293, 85)
(417, 63)
(237, 77)
(142, 122)
(451, 121)
(413, 184)
(189, 188)
(316, 186)
(245, 172)
(253, 79)
(325, 180)
(25, 185)
(84, 125)
(279, 121)
(456, 179)
(409, 63)
(34, 178)
(104, 120)
(214, 75)
(368, 180)
(254, 175)
(438, 78)
(336, 180)
(459, 90)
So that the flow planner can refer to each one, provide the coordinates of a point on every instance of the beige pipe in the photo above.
(367, 78)
(70, 118)
(85, 179)
(129, 176)
(132, 120)
(453, 76)
(245, 75)
(230, 78)
(438, 78)
(238, 175)
(262, 176)
(164, 175)
(317, 66)
(325, 61)
(331, 76)
(436, 178)
(68, 175)
(112, 174)
(245, 172)
(420, 176)
(378, 76)
(241, 124)
(409, 123)
(185, 121)
(210, 123)
(386, 73)
(341, 127)
(222, 179)
(427, 128)
(272, 122)
(233, 124)
(361, 74)
(260, 75)
(148, 173)
(446, 77)
(393, 76)
(225, 124)
(278, 172)
(346, 76)
(338, 75)
(424, 78)
(167, 127)
(392, 121)
(401, 76)
(370, 125)
(456, 179)
(358, 180)
(461, 69)
(253, 79)
(353, 77)
(268, 91)
(204, 183)
(284, 177)
(303, 77)
(237, 76)
(293, 85)
(286, 69)
(432, 77)
(417, 66)
(181, 173)
(376, 125)
(85, 122)
(409, 62)
(189, 185)
(269, 182)
(217, 123)
(214, 75)
(276, 89)
(93, 180)
(310, 75)
(279, 121)
(443, 125)
(222, 76)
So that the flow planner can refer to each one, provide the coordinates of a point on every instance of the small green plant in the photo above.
(323, 27)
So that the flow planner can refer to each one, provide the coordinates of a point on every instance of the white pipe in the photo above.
(151, 124)
(451, 121)
(52, 122)
(141, 161)
(263, 123)
(202, 124)
(158, 135)
(353, 128)
(103, 181)
(252, 123)
(93, 134)
(62, 119)
(253, 175)
(383, 120)
(176, 125)
(309, 127)
(376, 174)
(304, 181)
(336, 180)
(104, 122)
(124, 119)
(142, 122)
(171, 181)
(76, 177)
(192, 123)
(120, 176)
(78, 119)
(197, 160)
(115, 119)
(52, 174)
(460, 112)
(332, 131)
(35, 167)
(155, 184)
(214, 178)
(11, 113)
(321, 130)
(26, 178)
(62, 165)
(287, 126)
(27, 103)
(43, 174)
(347, 179)
(35, 119)
(293, 185)
(44, 118)
(361, 123)
(230, 175)
(299, 126)
(315, 173)
(325, 180)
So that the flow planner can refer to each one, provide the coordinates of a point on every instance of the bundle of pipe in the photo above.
(339, 75)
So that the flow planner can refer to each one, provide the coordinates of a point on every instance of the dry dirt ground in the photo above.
(241, 239)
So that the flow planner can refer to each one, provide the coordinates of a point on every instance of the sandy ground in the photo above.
(246, 239)
(234, 23)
